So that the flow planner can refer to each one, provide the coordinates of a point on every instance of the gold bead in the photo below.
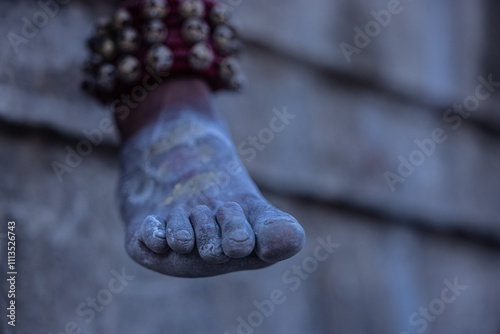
(231, 73)
(224, 38)
(228, 68)
(128, 40)
(238, 82)
(220, 14)
(106, 48)
(155, 32)
(106, 78)
(129, 69)
(155, 9)
(200, 57)
(161, 59)
(194, 31)
(121, 19)
(191, 8)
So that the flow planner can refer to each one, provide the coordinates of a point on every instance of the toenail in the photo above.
(182, 235)
(239, 236)
(284, 221)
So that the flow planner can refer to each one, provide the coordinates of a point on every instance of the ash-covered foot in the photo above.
(190, 206)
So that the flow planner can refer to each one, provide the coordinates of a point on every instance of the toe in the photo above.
(152, 234)
(208, 235)
(238, 238)
(279, 236)
(180, 234)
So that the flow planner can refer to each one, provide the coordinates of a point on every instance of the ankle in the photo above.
(169, 97)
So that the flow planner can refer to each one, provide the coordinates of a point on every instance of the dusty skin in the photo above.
(190, 207)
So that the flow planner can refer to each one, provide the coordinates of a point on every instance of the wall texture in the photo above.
(368, 106)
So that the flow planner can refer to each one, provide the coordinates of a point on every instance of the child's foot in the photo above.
(190, 207)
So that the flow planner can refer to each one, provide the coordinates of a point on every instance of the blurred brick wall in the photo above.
(355, 119)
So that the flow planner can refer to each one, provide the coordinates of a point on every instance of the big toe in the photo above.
(279, 236)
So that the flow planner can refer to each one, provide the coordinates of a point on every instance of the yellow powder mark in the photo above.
(191, 187)
(204, 154)
(178, 136)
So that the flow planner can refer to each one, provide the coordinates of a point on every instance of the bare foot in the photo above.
(190, 207)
